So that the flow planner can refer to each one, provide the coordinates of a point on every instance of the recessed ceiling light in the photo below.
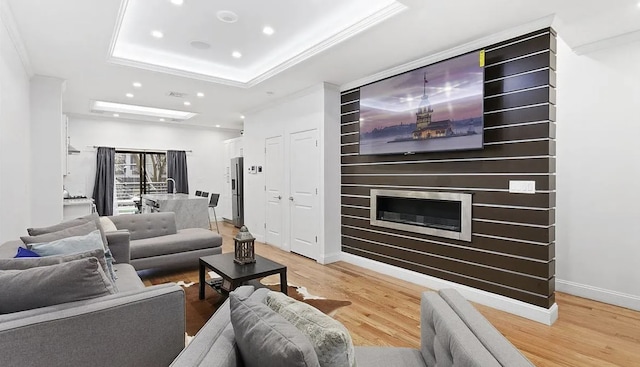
(217, 125)
(116, 115)
(129, 95)
(200, 45)
(227, 16)
(187, 103)
(140, 110)
(157, 34)
(137, 84)
(177, 2)
(242, 117)
(163, 120)
(236, 54)
(267, 30)
(200, 94)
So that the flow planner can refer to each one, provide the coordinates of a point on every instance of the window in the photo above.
(138, 173)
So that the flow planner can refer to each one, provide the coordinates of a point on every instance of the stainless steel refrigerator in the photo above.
(237, 197)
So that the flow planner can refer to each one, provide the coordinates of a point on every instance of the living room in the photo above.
(591, 253)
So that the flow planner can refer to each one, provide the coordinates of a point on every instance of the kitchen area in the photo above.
(191, 211)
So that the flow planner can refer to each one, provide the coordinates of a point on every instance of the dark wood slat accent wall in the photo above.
(512, 248)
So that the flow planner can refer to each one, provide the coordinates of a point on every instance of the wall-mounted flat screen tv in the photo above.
(438, 107)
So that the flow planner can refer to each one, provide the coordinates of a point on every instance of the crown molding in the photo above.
(14, 34)
(292, 96)
(619, 40)
(362, 25)
(182, 124)
(116, 30)
(455, 51)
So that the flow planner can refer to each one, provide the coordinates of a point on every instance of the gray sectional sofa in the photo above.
(453, 333)
(138, 326)
(156, 242)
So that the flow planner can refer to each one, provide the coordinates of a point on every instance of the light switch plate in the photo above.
(522, 187)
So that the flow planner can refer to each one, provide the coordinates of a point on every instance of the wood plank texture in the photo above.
(385, 311)
(519, 138)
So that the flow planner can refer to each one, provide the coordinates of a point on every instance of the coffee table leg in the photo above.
(283, 281)
(201, 274)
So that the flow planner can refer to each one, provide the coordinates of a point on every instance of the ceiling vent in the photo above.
(177, 94)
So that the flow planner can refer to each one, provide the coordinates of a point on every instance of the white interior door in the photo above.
(274, 181)
(304, 178)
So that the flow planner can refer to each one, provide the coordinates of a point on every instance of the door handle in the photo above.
(278, 197)
(290, 198)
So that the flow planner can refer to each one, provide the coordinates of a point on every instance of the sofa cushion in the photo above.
(189, 239)
(266, 339)
(50, 285)
(388, 357)
(330, 339)
(147, 225)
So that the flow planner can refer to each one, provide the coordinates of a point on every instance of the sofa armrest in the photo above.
(139, 328)
(445, 339)
(120, 246)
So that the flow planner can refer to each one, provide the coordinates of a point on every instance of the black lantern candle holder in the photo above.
(244, 247)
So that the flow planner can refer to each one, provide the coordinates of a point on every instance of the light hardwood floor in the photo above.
(386, 311)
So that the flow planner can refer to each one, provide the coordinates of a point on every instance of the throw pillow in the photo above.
(331, 340)
(50, 285)
(75, 244)
(64, 229)
(79, 230)
(32, 262)
(266, 339)
(107, 224)
(68, 245)
(23, 252)
(93, 217)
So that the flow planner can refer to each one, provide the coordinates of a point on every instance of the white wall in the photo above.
(15, 144)
(598, 201)
(46, 150)
(313, 108)
(205, 164)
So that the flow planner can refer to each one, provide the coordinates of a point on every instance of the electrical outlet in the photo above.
(522, 187)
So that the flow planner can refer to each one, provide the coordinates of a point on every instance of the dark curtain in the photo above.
(103, 188)
(177, 169)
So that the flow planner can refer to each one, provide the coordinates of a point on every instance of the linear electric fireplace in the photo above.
(441, 214)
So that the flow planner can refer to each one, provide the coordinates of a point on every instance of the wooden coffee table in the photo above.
(234, 275)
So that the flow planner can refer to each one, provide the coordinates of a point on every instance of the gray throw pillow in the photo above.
(51, 285)
(32, 262)
(22, 263)
(75, 244)
(266, 339)
(68, 245)
(93, 217)
(79, 230)
(330, 339)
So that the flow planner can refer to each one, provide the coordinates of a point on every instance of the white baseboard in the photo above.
(523, 309)
(599, 294)
(330, 258)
